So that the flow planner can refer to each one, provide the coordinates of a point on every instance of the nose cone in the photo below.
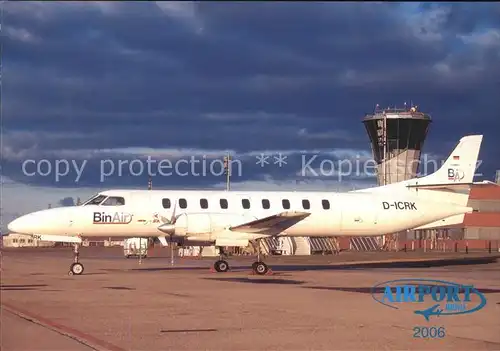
(18, 225)
(42, 222)
(22, 225)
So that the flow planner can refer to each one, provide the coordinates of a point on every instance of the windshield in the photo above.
(114, 201)
(95, 200)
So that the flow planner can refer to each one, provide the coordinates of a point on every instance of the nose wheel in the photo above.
(76, 267)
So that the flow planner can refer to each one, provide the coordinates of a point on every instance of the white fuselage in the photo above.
(206, 215)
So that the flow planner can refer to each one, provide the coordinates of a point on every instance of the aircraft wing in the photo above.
(271, 225)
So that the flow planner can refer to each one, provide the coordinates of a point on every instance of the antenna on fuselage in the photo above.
(150, 184)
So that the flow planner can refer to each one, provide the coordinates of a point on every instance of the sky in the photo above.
(88, 85)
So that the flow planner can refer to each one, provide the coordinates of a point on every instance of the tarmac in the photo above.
(307, 303)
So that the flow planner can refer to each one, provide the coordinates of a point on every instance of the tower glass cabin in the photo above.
(397, 137)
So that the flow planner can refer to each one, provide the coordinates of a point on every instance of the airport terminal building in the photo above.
(485, 223)
(479, 230)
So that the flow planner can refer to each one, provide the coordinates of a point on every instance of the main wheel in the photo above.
(260, 268)
(221, 266)
(76, 269)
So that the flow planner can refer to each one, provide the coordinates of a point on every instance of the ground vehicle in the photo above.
(135, 247)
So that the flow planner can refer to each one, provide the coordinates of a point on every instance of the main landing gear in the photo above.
(76, 267)
(258, 267)
(221, 265)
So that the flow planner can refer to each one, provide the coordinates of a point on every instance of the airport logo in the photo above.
(455, 174)
(429, 297)
(399, 205)
(112, 218)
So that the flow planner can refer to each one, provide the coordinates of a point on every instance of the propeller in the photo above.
(169, 228)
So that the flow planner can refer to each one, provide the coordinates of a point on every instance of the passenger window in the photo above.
(182, 203)
(223, 203)
(203, 203)
(306, 205)
(245, 203)
(286, 204)
(265, 204)
(114, 201)
(326, 204)
(166, 203)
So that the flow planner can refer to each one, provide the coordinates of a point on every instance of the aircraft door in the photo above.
(137, 205)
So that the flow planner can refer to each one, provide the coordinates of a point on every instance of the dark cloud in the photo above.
(90, 78)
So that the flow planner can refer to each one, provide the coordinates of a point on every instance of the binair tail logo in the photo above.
(455, 174)
(112, 218)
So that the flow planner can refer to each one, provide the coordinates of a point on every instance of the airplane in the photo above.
(431, 311)
(234, 218)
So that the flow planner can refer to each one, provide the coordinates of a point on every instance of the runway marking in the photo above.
(187, 330)
(77, 335)
(417, 260)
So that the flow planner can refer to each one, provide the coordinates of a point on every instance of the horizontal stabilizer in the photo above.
(450, 186)
(452, 221)
(272, 225)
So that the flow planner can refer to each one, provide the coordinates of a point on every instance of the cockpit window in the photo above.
(95, 200)
(114, 201)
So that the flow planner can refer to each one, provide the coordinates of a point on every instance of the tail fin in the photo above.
(451, 183)
(459, 168)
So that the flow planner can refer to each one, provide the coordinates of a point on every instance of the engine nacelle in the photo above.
(195, 223)
(203, 226)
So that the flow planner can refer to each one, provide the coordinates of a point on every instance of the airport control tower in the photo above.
(397, 136)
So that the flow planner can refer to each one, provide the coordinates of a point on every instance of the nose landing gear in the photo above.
(76, 267)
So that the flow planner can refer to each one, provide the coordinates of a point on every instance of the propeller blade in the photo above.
(168, 227)
(172, 219)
